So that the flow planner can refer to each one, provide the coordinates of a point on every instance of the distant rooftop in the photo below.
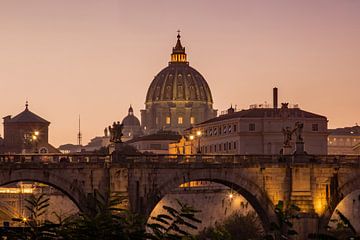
(161, 135)
(350, 131)
(263, 112)
(26, 116)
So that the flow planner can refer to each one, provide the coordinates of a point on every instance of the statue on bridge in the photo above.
(298, 131)
(116, 132)
(288, 132)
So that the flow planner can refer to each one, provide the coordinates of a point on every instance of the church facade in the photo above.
(26, 133)
(178, 97)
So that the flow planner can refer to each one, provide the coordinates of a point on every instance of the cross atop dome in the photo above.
(178, 53)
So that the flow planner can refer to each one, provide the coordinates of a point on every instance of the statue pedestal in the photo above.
(287, 150)
(299, 148)
(111, 148)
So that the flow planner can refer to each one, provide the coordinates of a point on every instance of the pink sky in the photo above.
(94, 58)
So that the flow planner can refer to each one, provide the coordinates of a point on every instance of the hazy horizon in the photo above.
(95, 58)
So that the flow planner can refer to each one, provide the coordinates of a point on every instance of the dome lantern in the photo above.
(178, 54)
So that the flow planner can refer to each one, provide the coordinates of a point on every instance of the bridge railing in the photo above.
(209, 159)
(336, 159)
(175, 159)
(54, 158)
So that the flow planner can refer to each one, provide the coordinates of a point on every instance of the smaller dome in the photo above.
(130, 119)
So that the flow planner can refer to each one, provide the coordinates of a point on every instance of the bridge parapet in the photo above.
(54, 158)
(341, 160)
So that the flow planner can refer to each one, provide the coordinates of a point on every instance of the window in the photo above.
(220, 147)
(192, 120)
(225, 146)
(180, 120)
(215, 148)
(229, 129)
(167, 120)
(219, 130)
(224, 129)
(210, 148)
(315, 127)
(234, 127)
(252, 127)
(215, 131)
(229, 145)
(234, 145)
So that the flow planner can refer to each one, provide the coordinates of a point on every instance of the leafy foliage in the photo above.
(106, 220)
(285, 214)
(236, 227)
(344, 229)
(35, 227)
(175, 224)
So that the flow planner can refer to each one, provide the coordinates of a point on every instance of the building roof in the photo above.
(348, 131)
(130, 119)
(265, 113)
(159, 136)
(27, 116)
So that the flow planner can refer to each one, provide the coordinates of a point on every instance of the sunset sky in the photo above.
(96, 57)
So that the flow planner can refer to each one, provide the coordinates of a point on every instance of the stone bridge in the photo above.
(315, 183)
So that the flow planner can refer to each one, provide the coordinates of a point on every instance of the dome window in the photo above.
(192, 120)
(180, 120)
(168, 120)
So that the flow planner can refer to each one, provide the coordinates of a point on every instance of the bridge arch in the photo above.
(345, 190)
(248, 189)
(57, 180)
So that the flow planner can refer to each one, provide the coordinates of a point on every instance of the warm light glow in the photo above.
(24, 219)
(198, 133)
(16, 190)
(191, 137)
(168, 120)
(36, 133)
(319, 207)
(34, 137)
(231, 196)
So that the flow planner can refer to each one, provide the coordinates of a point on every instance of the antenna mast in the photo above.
(79, 135)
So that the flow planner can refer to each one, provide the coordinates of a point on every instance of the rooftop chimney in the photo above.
(275, 97)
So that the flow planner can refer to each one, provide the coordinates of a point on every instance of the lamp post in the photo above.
(191, 137)
(198, 135)
(34, 138)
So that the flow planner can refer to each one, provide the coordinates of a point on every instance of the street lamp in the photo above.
(198, 135)
(191, 137)
(34, 138)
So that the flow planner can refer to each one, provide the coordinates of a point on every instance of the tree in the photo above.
(174, 225)
(35, 227)
(285, 214)
(237, 227)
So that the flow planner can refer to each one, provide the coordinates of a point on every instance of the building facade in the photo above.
(344, 140)
(258, 131)
(26, 133)
(178, 97)
(156, 143)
